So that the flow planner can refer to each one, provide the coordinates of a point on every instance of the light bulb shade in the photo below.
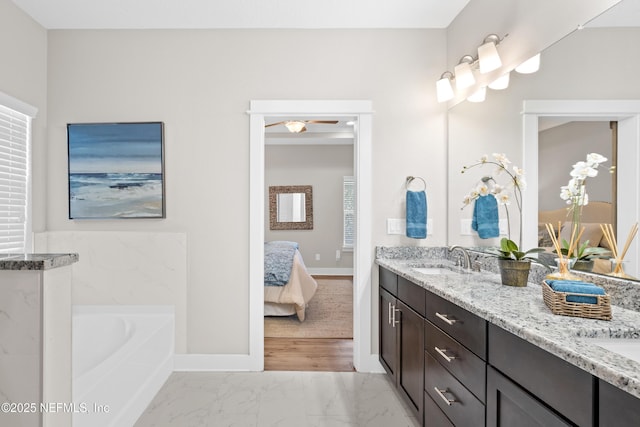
(479, 95)
(529, 66)
(295, 126)
(444, 91)
(488, 57)
(500, 83)
(464, 76)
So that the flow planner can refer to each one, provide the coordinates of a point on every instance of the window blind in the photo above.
(15, 129)
(349, 211)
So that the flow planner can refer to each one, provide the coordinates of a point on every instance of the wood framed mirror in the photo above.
(291, 207)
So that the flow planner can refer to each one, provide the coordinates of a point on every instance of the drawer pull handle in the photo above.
(441, 352)
(443, 397)
(395, 310)
(446, 319)
(389, 322)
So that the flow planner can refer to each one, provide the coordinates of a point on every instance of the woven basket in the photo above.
(557, 302)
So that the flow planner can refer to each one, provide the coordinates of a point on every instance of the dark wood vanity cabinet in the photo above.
(401, 336)
(617, 408)
(552, 385)
(455, 367)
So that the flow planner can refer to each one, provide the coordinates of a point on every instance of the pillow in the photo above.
(592, 233)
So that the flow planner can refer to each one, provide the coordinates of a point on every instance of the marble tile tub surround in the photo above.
(36, 261)
(522, 312)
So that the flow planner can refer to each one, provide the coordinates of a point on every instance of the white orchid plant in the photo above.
(575, 192)
(488, 185)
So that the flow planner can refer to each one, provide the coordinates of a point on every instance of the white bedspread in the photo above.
(295, 295)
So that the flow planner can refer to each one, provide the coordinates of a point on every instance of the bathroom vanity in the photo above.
(464, 350)
(35, 339)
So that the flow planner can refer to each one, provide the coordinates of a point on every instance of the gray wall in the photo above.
(322, 167)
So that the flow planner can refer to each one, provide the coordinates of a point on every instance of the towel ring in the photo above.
(410, 180)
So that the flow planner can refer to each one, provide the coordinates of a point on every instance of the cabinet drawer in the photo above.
(388, 280)
(617, 407)
(468, 368)
(457, 403)
(412, 295)
(434, 417)
(467, 328)
(562, 386)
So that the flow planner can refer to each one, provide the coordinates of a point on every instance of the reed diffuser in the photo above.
(563, 261)
(618, 256)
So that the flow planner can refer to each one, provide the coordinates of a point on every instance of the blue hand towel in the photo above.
(577, 287)
(485, 217)
(416, 214)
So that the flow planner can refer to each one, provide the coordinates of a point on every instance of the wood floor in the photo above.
(308, 354)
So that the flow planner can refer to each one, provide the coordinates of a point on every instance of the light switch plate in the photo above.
(396, 226)
(465, 227)
(429, 226)
(504, 227)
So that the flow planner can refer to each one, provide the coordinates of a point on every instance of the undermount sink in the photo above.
(629, 348)
(437, 270)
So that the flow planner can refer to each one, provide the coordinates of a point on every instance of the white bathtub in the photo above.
(121, 357)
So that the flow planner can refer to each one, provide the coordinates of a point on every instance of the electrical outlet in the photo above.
(338, 255)
(465, 227)
(504, 227)
(429, 226)
(317, 257)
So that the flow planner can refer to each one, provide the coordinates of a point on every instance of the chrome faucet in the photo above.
(465, 255)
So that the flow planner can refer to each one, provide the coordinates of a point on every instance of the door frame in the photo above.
(361, 110)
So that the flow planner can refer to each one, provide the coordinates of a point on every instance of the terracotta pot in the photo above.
(514, 272)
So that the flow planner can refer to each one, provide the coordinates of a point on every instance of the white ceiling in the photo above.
(143, 14)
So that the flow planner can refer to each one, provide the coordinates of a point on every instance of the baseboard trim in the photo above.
(370, 364)
(330, 271)
(216, 362)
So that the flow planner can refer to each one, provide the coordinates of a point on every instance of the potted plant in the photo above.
(584, 255)
(515, 264)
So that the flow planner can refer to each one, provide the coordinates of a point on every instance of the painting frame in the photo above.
(116, 170)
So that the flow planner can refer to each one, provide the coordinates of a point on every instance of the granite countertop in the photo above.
(523, 312)
(36, 261)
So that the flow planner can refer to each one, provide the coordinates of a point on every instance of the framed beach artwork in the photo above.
(116, 170)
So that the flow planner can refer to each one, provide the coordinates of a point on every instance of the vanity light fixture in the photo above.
(294, 126)
(529, 66)
(478, 96)
(463, 73)
(501, 82)
(444, 90)
(488, 54)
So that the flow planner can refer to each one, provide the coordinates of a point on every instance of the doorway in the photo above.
(363, 360)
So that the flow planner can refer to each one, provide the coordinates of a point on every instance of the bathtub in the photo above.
(121, 356)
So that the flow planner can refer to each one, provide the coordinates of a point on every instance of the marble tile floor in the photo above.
(278, 399)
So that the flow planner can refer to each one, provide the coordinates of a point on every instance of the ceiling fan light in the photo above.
(444, 90)
(529, 66)
(488, 57)
(295, 126)
(500, 83)
(479, 95)
(464, 75)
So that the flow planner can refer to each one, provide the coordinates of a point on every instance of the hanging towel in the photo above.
(485, 217)
(416, 214)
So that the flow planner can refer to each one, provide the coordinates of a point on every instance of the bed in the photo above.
(288, 286)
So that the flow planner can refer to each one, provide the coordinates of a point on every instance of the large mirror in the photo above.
(589, 65)
(291, 207)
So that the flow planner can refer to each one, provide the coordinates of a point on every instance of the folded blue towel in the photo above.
(485, 217)
(416, 214)
(577, 287)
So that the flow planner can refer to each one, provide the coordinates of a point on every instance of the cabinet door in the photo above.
(411, 358)
(617, 407)
(387, 332)
(508, 405)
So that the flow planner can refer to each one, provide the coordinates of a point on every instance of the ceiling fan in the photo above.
(298, 126)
